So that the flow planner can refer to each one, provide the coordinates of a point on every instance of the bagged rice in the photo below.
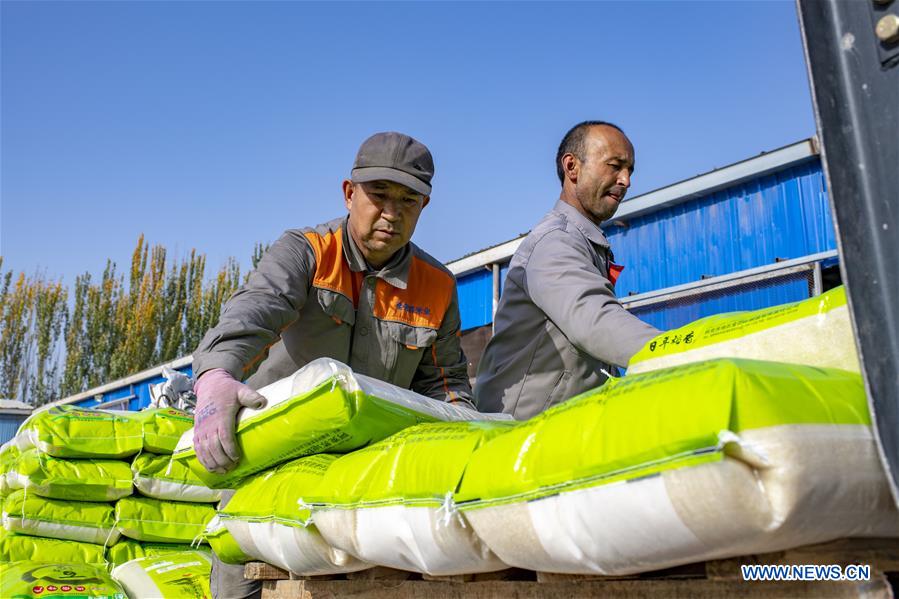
(160, 477)
(223, 543)
(269, 522)
(816, 332)
(152, 520)
(322, 408)
(127, 550)
(182, 575)
(81, 480)
(390, 504)
(70, 432)
(696, 462)
(9, 454)
(22, 548)
(84, 521)
(36, 580)
(163, 427)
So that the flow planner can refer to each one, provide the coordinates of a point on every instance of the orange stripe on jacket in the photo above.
(331, 269)
(331, 272)
(424, 301)
(446, 389)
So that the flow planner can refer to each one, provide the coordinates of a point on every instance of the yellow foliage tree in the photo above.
(50, 349)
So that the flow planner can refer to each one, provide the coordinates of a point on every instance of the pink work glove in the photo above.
(219, 398)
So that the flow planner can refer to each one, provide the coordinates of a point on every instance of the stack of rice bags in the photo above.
(392, 503)
(709, 459)
(700, 461)
(75, 479)
(72, 465)
(699, 453)
(171, 505)
(322, 410)
(167, 515)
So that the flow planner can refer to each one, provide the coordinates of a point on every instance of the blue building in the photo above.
(750, 235)
(12, 414)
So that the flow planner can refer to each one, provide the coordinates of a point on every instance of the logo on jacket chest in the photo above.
(412, 309)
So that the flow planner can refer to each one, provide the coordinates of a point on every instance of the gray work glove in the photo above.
(219, 398)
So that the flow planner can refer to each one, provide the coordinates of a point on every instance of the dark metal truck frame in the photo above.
(852, 53)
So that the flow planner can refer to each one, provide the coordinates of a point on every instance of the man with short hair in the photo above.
(559, 330)
(355, 289)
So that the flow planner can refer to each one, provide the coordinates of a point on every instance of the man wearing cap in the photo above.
(559, 330)
(354, 289)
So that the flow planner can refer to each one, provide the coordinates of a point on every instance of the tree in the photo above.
(16, 321)
(77, 362)
(49, 318)
(51, 349)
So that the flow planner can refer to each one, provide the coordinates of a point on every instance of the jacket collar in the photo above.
(395, 272)
(590, 230)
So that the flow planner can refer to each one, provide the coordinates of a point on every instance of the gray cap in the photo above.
(392, 156)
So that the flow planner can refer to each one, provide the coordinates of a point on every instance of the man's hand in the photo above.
(219, 398)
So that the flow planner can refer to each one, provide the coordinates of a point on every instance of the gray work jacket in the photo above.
(312, 295)
(558, 324)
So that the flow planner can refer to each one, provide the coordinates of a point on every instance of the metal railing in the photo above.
(808, 267)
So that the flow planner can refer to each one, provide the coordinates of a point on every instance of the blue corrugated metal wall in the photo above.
(9, 424)
(783, 215)
(677, 315)
(476, 299)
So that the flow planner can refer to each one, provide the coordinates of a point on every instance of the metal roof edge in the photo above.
(119, 383)
(732, 276)
(667, 196)
(497, 253)
(14, 404)
(727, 176)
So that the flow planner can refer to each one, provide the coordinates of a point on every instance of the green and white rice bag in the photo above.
(390, 503)
(70, 432)
(37, 580)
(815, 332)
(127, 550)
(696, 462)
(84, 521)
(24, 548)
(182, 575)
(267, 518)
(9, 454)
(163, 427)
(81, 480)
(323, 407)
(153, 520)
(161, 477)
(223, 543)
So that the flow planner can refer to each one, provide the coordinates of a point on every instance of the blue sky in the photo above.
(216, 125)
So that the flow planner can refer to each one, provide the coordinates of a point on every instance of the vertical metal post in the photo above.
(496, 291)
(817, 280)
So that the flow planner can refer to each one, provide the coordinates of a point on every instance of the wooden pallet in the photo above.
(718, 578)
